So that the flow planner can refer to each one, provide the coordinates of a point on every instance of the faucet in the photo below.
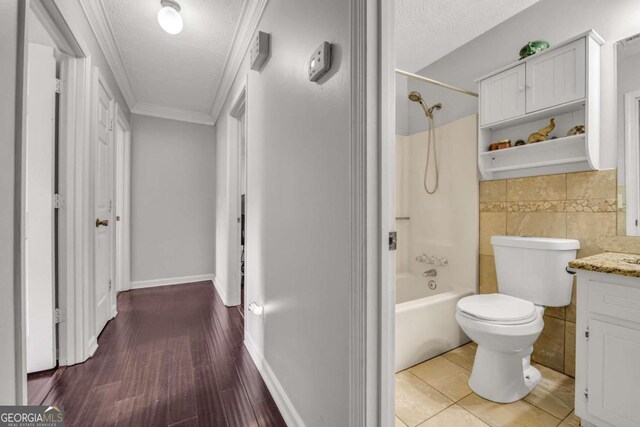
(432, 260)
(430, 273)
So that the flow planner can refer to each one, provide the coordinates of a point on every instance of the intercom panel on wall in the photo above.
(320, 62)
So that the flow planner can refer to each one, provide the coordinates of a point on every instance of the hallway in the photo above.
(174, 355)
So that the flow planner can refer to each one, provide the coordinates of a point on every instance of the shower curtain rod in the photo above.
(435, 82)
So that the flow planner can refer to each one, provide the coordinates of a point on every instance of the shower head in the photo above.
(415, 96)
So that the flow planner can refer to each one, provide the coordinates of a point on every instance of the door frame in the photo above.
(382, 147)
(74, 336)
(238, 109)
(122, 197)
(372, 151)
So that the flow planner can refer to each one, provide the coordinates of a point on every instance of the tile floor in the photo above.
(435, 393)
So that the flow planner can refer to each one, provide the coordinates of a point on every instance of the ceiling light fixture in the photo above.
(169, 17)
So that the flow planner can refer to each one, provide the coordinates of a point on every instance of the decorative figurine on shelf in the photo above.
(576, 130)
(533, 47)
(505, 143)
(543, 133)
(502, 144)
(520, 142)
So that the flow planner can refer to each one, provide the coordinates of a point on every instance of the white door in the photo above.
(103, 180)
(121, 194)
(503, 96)
(556, 77)
(39, 217)
(614, 377)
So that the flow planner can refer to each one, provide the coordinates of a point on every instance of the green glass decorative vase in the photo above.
(533, 47)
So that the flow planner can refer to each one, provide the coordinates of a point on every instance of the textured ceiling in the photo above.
(426, 30)
(180, 71)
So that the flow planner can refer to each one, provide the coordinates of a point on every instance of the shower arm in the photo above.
(435, 82)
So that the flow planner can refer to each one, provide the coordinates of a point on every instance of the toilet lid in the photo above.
(497, 308)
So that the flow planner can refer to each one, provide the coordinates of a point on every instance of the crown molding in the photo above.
(249, 20)
(162, 112)
(99, 23)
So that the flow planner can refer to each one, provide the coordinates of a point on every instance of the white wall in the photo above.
(298, 233)
(8, 64)
(172, 200)
(554, 21)
(445, 223)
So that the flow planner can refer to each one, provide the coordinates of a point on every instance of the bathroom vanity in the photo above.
(608, 340)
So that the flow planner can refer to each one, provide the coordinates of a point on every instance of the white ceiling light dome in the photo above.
(169, 17)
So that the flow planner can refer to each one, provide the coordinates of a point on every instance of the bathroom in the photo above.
(454, 192)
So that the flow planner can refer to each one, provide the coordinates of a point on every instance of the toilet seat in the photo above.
(497, 309)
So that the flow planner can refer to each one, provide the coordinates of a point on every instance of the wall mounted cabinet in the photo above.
(563, 83)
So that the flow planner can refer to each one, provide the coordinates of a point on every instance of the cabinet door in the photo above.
(556, 77)
(502, 95)
(613, 374)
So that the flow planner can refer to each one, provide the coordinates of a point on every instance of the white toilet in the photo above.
(531, 275)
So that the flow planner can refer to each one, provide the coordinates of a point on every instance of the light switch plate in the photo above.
(320, 62)
(259, 50)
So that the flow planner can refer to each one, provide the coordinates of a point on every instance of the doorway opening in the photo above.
(239, 238)
(122, 137)
(64, 310)
(48, 66)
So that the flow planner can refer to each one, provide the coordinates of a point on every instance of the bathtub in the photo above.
(425, 320)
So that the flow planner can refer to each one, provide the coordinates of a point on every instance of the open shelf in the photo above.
(523, 149)
(570, 150)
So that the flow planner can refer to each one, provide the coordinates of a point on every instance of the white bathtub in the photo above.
(425, 320)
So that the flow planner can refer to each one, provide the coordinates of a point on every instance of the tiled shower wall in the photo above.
(578, 206)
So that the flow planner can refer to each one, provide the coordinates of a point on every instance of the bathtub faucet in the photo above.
(430, 273)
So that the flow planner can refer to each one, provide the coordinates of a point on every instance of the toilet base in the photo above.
(503, 377)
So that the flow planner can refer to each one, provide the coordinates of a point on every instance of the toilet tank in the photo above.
(534, 268)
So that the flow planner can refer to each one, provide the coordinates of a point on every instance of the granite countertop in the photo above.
(610, 262)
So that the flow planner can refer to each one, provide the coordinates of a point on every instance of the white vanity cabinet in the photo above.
(561, 83)
(608, 350)
(502, 95)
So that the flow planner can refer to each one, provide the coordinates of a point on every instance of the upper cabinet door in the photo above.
(502, 96)
(556, 77)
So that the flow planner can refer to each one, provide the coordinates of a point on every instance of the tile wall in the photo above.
(577, 205)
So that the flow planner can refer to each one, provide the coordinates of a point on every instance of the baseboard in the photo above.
(289, 413)
(141, 284)
(220, 289)
(92, 347)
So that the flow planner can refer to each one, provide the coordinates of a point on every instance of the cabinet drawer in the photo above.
(617, 301)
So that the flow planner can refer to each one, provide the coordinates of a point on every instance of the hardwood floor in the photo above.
(174, 356)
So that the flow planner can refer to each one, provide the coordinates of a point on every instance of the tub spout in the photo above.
(430, 273)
